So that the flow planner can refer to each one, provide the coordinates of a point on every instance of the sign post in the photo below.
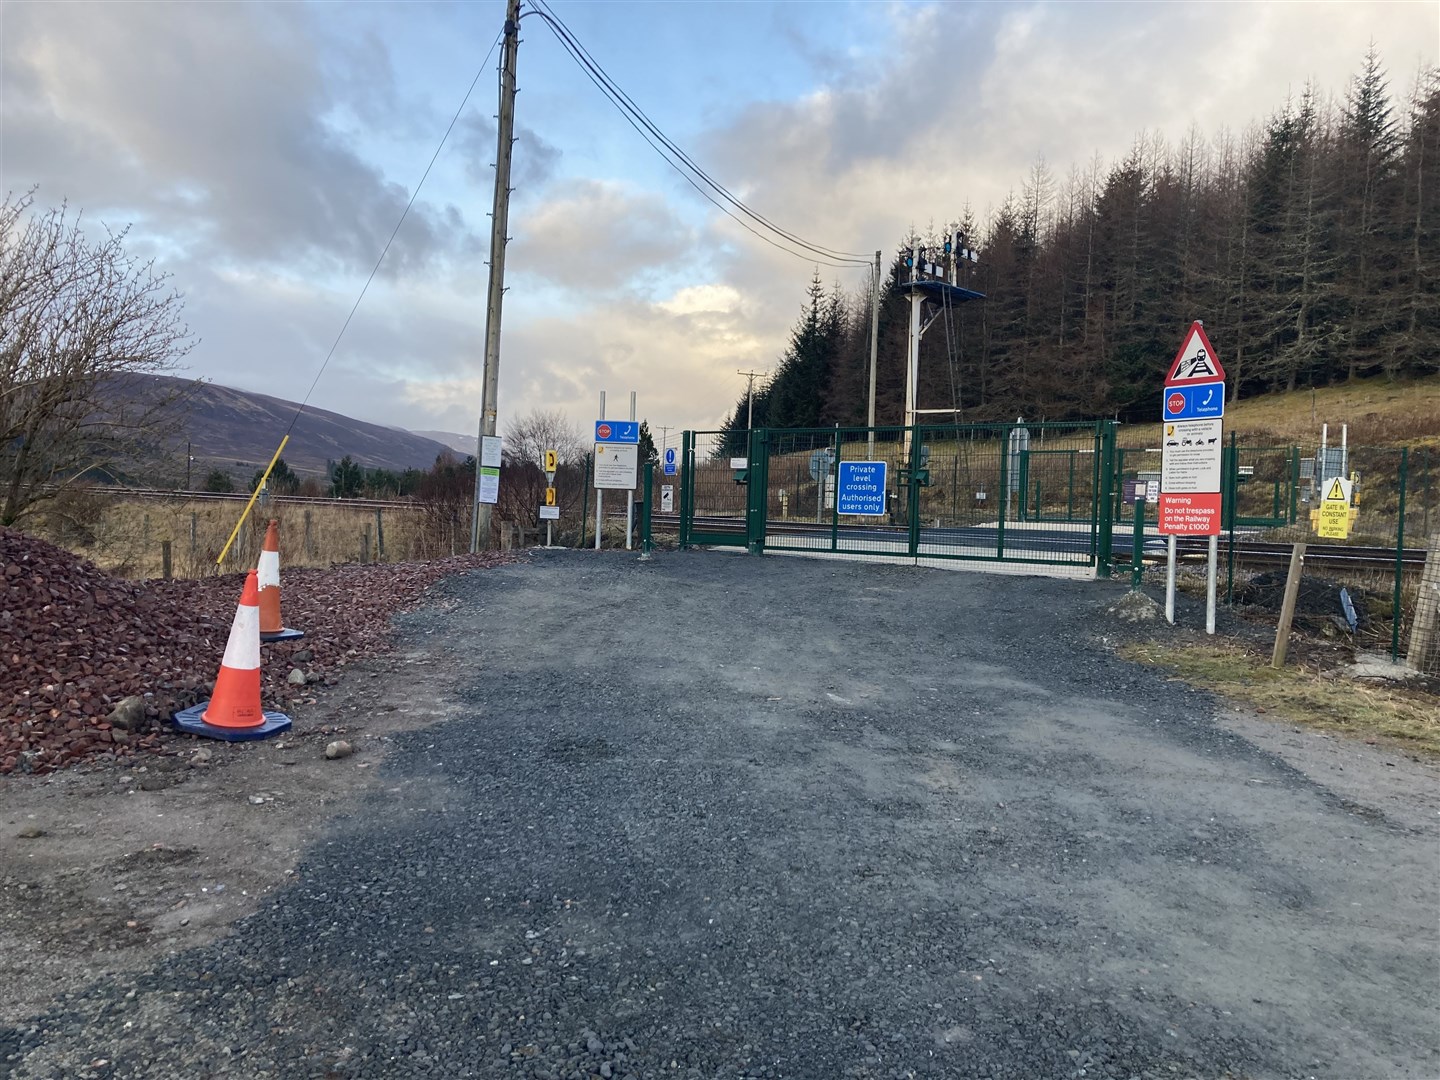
(1192, 409)
(617, 461)
(550, 512)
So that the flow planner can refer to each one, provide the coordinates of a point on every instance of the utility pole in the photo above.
(874, 352)
(750, 377)
(499, 223)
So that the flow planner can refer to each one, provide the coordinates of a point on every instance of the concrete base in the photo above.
(188, 721)
(285, 634)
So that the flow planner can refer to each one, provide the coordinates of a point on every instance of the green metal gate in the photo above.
(1036, 494)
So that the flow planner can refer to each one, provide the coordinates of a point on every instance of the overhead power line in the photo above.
(393, 233)
(682, 163)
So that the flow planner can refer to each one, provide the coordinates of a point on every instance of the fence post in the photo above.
(1287, 605)
(194, 531)
(646, 509)
(757, 491)
(365, 545)
(1399, 558)
(584, 500)
(1137, 543)
(309, 548)
(1229, 484)
(687, 480)
(1106, 546)
(379, 537)
(1424, 655)
(166, 569)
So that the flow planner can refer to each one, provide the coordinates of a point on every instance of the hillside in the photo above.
(237, 430)
(461, 444)
(1379, 411)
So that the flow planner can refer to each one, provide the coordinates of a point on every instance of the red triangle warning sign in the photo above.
(1196, 361)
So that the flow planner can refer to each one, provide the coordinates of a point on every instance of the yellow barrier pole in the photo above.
(253, 496)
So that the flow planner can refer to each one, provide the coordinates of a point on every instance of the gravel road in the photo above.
(719, 816)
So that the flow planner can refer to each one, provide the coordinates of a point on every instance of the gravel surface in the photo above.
(714, 815)
(76, 642)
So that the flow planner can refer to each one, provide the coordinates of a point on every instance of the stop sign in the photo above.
(1175, 403)
(603, 431)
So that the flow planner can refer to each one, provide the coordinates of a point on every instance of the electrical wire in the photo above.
(676, 157)
(393, 233)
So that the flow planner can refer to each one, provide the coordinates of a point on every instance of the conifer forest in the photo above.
(1307, 244)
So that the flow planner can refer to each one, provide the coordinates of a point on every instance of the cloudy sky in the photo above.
(262, 153)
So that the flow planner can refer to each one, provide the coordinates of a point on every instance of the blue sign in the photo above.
(669, 461)
(617, 431)
(1194, 401)
(862, 487)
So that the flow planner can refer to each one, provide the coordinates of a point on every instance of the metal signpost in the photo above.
(550, 511)
(1191, 414)
(617, 462)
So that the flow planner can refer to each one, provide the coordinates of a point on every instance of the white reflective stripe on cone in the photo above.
(242, 651)
(268, 571)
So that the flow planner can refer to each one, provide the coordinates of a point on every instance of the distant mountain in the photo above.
(461, 444)
(238, 430)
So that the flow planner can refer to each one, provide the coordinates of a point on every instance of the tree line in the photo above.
(1306, 244)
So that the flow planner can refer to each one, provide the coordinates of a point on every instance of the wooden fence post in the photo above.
(365, 545)
(1287, 606)
(1424, 651)
(379, 537)
(309, 547)
(167, 570)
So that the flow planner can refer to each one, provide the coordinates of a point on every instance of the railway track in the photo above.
(1247, 551)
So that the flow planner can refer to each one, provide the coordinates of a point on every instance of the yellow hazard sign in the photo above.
(1332, 520)
(549, 496)
(550, 458)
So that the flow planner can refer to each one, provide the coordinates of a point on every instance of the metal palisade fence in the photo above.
(1063, 497)
(1030, 494)
(1272, 498)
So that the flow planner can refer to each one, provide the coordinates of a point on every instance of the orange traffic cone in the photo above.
(271, 626)
(233, 712)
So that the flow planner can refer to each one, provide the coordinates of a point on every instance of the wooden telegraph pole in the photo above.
(499, 222)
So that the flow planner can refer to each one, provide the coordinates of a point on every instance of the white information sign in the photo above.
(667, 498)
(490, 451)
(1191, 459)
(489, 485)
(739, 463)
(549, 513)
(617, 466)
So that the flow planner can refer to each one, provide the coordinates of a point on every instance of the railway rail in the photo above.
(1248, 551)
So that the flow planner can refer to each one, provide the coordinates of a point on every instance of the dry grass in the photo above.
(124, 537)
(1408, 717)
(1380, 413)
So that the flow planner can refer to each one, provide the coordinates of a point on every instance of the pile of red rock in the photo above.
(92, 665)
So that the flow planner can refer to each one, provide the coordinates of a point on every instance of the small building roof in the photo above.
(939, 291)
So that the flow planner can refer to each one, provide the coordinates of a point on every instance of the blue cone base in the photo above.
(188, 721)
(282, 635)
